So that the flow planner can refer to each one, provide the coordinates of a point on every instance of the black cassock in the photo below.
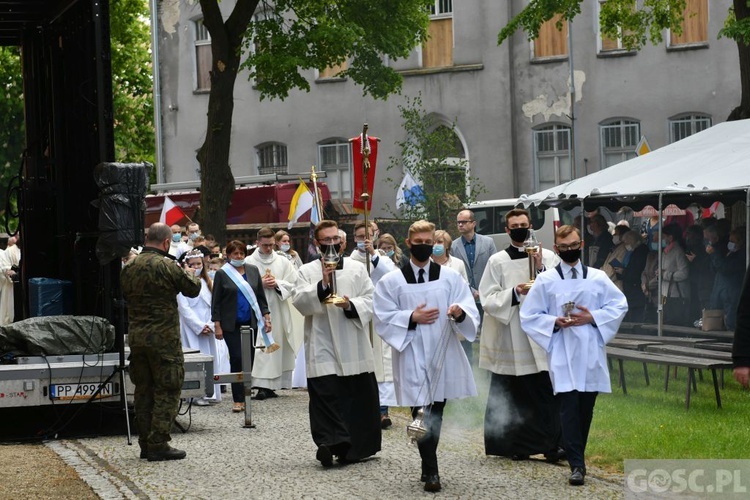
(530, 421)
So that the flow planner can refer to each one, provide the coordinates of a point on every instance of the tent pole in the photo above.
(583, 235)
(659, 301)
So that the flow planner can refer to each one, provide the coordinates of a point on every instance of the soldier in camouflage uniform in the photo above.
(150, 284)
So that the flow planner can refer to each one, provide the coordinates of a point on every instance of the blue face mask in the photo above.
(438, 250)
(285, 248)
(194, 236)
(361, 246)
(237, 262)
(211, 274)
(390, 253)
(176, 237)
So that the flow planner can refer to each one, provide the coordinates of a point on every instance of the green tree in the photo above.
(433, 155)
(132, 81)
(637, 26)
(293, 37)
(12, 138)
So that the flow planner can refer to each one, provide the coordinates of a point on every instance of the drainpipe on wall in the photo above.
(512, 92)
(157, 92)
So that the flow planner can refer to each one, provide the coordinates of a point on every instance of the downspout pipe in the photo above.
(157, 91)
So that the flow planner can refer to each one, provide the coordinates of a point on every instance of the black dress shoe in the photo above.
(167, 453)
(432, 484)
(385, 421)
(555, 456)
(260, 395)
(271, 393)
(324, 455)
(576, 476)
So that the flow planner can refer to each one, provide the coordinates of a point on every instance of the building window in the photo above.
(619, 139)
(203, 58)
(271, 158)
(607, 44)
(332, 72)
(551, 42)
(694, 25)
(334, 157)
(687, 125)
(551, 156)
(437, 51)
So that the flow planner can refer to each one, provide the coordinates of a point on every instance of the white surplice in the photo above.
(335, 344)
(504, 347)
(195, 315)
(414, 351)
(577, 355)
(10, 257)
(381, 351)
(274, 371)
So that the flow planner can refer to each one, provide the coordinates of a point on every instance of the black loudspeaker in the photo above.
(121, 203)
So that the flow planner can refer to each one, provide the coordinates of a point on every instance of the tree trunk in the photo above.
(742, 11)
(217, 180)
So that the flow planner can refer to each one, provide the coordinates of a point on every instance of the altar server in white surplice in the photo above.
(196, 327)
(344, 415)
(272, 371)
(572, 312)
(380, 265)
(522, 417)
(412, 309)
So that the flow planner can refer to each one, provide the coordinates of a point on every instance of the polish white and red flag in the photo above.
(171, 214)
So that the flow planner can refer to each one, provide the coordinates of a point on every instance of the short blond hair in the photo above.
(564, 231)
(421, 226)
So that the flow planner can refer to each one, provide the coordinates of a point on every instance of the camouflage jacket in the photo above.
(150, 284)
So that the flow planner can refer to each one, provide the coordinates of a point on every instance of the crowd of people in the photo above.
(377, 328)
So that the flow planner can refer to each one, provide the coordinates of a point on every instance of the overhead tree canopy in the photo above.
(637, 26)
(287, 39)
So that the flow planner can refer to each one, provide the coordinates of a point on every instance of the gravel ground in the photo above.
(277, 460)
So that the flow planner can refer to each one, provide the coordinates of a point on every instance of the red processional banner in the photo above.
(357, 159)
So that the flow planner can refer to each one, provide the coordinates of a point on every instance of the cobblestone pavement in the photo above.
(277, 460)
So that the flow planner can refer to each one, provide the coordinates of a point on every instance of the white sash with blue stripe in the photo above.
(249, 294)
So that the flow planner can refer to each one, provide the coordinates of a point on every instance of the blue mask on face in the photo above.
(361, 246)
(237, 262)
(194, 236)
(211, 274)
(176, 237)
(390, 253)
(438, 250)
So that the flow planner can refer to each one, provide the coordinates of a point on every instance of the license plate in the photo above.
(80, 391)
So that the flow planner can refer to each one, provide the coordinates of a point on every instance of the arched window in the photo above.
(271, 158)
(619, 138)
(551, 156)
(335, 158)
(685, 125)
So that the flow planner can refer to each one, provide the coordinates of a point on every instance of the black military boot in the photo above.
(167, 453)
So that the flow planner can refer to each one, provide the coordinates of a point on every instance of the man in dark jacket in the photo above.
(150, 284)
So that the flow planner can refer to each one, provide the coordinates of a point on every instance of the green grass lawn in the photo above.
(647, 422)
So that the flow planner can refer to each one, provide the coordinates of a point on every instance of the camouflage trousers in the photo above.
(157, 375)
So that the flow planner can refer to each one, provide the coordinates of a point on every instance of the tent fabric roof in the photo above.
(714, 160)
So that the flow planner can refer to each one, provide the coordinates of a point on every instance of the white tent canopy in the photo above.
(714, 160)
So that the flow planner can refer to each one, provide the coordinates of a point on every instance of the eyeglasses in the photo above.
(462, 222)
(572, 246)
(331, 241)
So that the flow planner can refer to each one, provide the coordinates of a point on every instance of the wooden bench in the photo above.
(690, 363)
(715, 346)
(684, 341)
(688, 331)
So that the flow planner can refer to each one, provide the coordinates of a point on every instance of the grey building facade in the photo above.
(510, 103)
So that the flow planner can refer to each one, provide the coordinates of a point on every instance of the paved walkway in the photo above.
(277, 460)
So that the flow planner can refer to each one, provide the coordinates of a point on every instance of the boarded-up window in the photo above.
(332, 71)
(438, 50)
(694, 24)
(203, 58)
(551, 41)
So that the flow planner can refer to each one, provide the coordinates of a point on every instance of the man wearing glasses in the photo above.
(344, 403)
(572, 312)
(475, 251)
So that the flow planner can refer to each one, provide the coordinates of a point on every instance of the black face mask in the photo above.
(519, 234)
(336, 247)
(421, 252)
(570, 256)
